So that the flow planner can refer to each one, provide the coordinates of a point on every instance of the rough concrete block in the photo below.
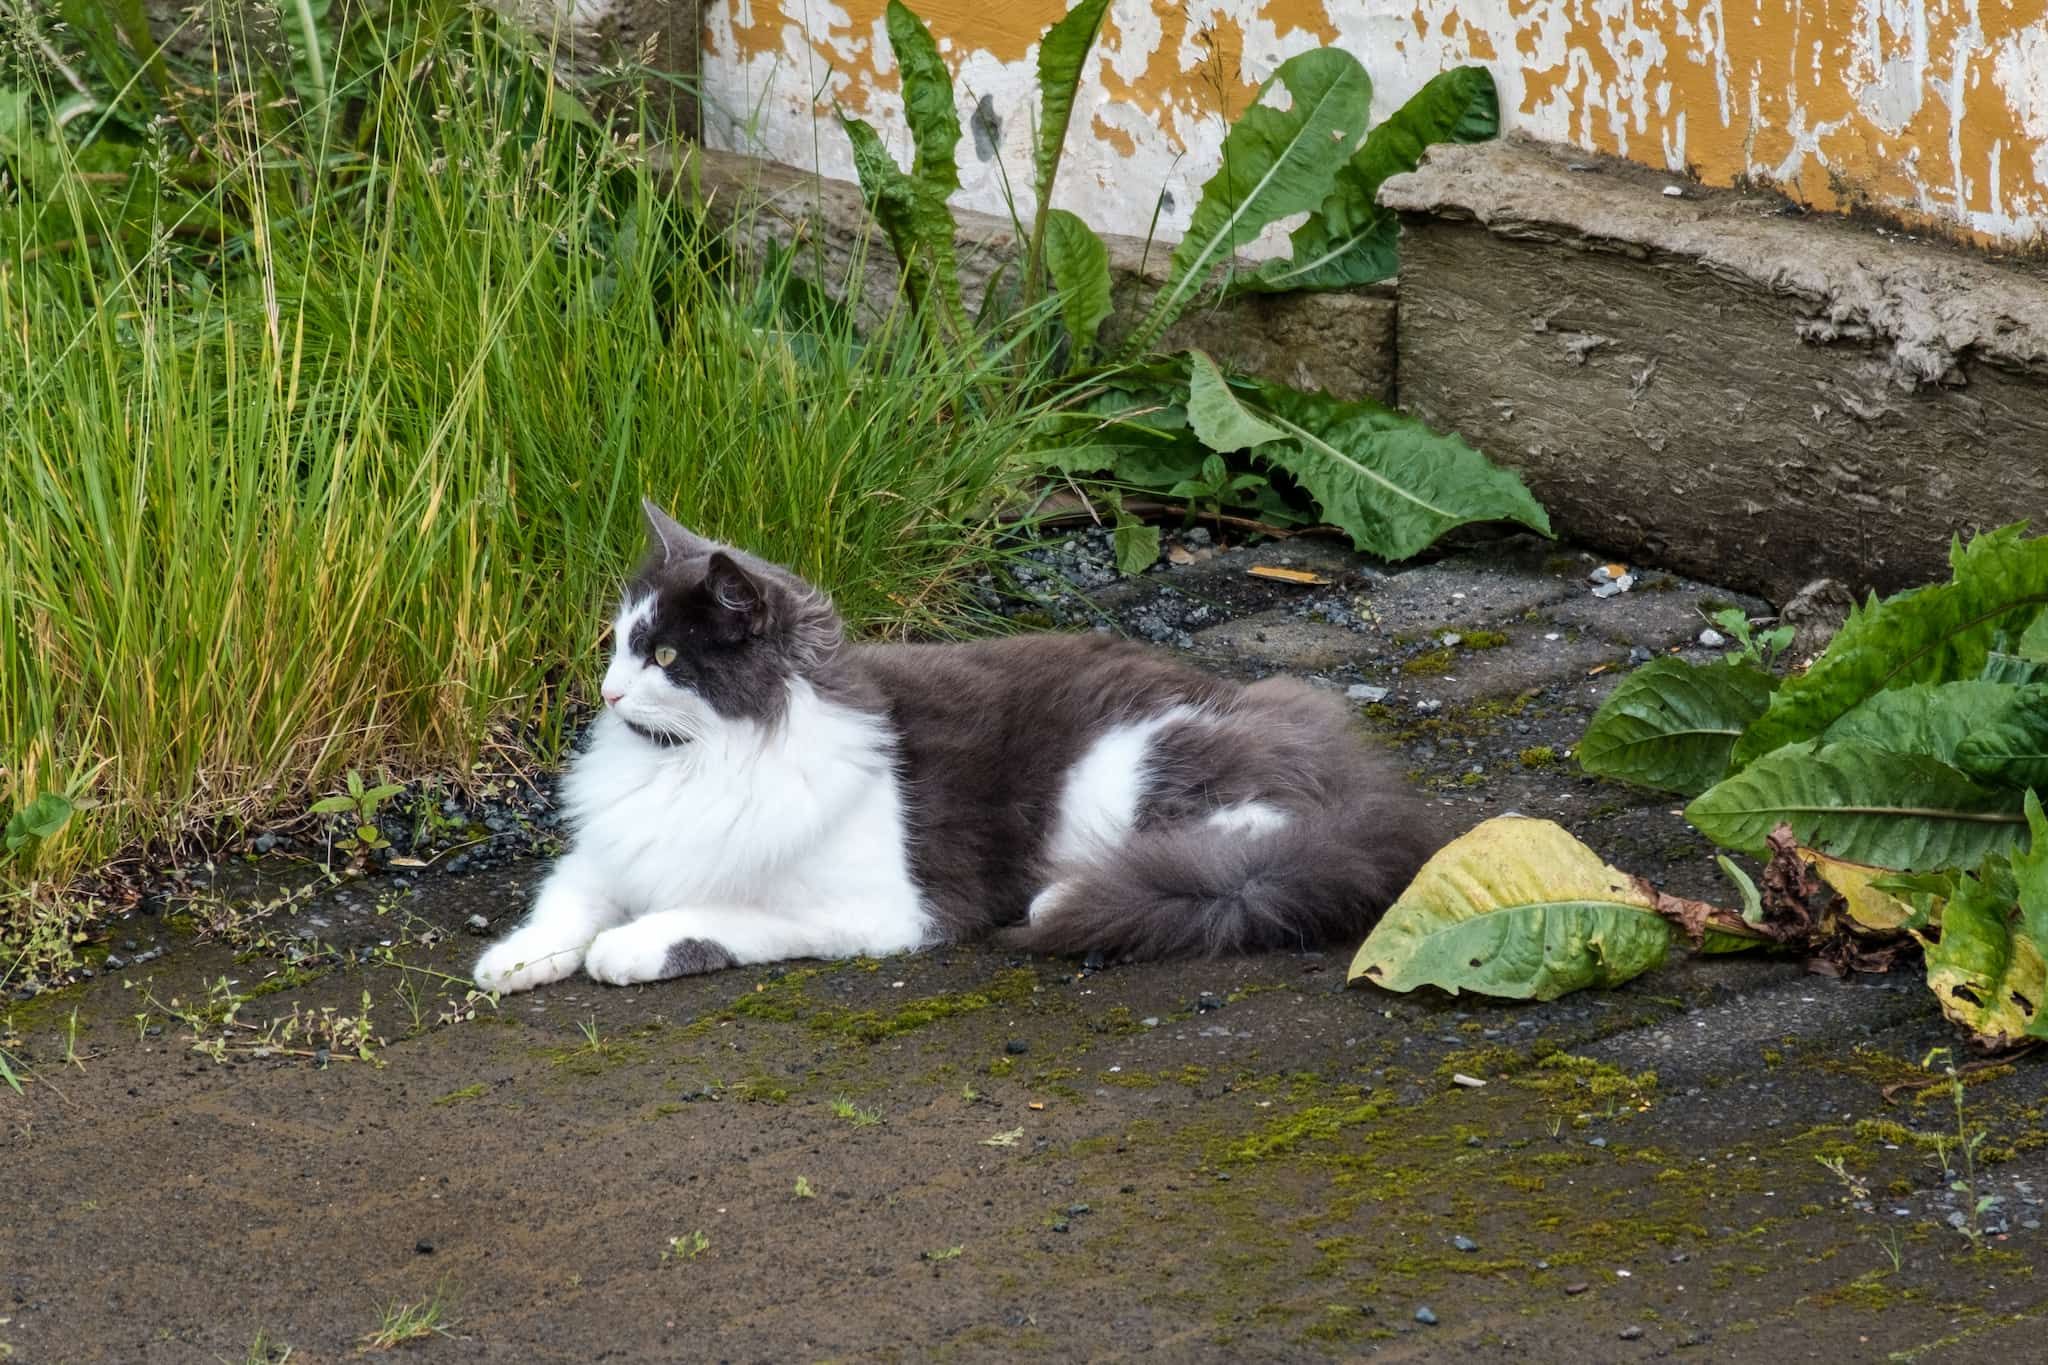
(1340, 343)
(1706, 383)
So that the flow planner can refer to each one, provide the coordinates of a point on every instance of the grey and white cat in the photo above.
(757, 789)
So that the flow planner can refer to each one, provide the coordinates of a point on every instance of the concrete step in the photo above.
(1713, 381)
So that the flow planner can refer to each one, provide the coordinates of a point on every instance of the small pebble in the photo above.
(1208, 1000)
(1150, 1021)
(1638, 655)
(1425, 1317)
(1673, 192)
(477, 924)
(1060, 1226)
(1712, 639)
(1464, 1243)
(1016, 1047)
(1631, 1333)
(423, 1247)
(1363, 692)
(1577, 1287)
(1469, 1082)
(1596, 1142)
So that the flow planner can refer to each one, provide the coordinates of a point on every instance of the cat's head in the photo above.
(709, 634)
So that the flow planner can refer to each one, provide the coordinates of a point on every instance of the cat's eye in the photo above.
(665, 656)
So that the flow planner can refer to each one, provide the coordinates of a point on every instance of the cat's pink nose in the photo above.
(611, 697)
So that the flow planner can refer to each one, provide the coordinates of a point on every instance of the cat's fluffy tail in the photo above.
(1190, 890)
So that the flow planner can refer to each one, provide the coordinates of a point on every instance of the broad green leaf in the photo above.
(1221, 422)
(1941, 633)
(1987, 968)
(1133, 427)
(1350, 240)
(1516, 908)
(1391, 482)
(913, 215)
(42, 818)
(927, 99)
(2011, 750)
(1853, 801)
(1080, 271)
(1275, 162)
(1137, 546)
(1671, 724)
(1062, 53)
(329, 805)
(1925, 718)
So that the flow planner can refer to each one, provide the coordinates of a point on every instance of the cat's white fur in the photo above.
(771, 841)
(1099, 800)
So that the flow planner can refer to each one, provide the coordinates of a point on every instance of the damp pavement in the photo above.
(252, 1131)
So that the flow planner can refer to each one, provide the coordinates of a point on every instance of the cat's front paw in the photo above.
(649, 951)
(524, 960)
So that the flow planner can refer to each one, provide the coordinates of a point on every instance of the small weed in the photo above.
(969, 1093)
(944, 1254)
(360, 804)
(688, 1247)
(1965, 1144)
(1004, 1139)
(804, 1190)
(467, 1092)
(1762, 649)
(406, 1322)
(1893, 1245)
(844, 1108)
(1858, 1188)
(71, 1041)
(264, 1351)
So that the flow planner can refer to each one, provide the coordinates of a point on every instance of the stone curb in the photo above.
(1709, 380)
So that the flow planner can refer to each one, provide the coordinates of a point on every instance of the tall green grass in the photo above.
(351, 476)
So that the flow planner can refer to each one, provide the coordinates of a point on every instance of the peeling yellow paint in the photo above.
(1117, 138)
(1935, 111)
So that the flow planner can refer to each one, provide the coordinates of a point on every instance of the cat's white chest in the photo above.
(785, 820)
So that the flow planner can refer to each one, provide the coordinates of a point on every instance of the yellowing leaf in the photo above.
(1280, 575)
(1877, 910)
(1516, 908)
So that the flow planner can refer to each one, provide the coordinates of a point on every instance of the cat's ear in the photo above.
(669, 536)
(739, 602)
